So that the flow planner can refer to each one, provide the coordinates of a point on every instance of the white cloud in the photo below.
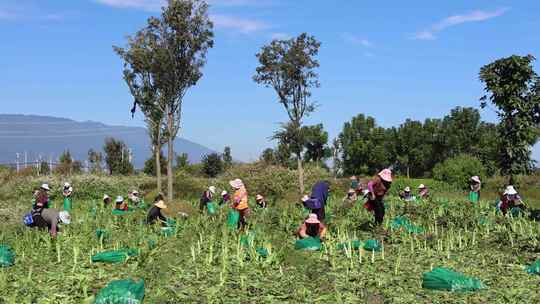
(351, 38)
(280, 36)
(242, 25)
(474, 16)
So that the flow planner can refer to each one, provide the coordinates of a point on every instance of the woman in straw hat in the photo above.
(312, 227)
(378, 187)
(240, 201)
(261, 201)
(510, 200)
(155, 213)
(423, 191)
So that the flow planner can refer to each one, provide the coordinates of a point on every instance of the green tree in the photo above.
(513, 87)
(150, 165)
(212, 165)
(176, 44)
(182, 161)
(44, 168)
(268, 156)
(316, 144)
(227, 157)
(458, 170)
(288, 67)
(117, 157)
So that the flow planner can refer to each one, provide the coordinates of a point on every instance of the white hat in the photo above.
(212, 189)
(106, 197)
(236, 184)
(64, 217)
(224, 192)
(161, 205)
(510, 190)
(305, 198)
(475, 179)
(407, 189)
(259, 197)
(67, 185)
(119, 199)
(422, 186)
(46, 187)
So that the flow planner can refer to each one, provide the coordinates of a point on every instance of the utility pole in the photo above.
(25, 159)
(17, 162)
(130, 158)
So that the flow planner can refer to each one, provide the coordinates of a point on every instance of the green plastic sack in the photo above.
(534, 268)
(447, 279)
(211, 207)
(405, 223)
(233, 217)
(354, 245)
(473, 197)
(309, 243)
(67, 204)
(247, 239)
(115, 256)
(171, 222)
(7, 256)
(121, 292)
(372, 245)
(263, 252)
(117, 212)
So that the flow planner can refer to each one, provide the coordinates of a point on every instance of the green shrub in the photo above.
(458, 170)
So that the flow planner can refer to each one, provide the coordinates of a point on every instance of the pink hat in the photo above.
(386, 175)
(312, 219)
(236, 184)
(476, 179)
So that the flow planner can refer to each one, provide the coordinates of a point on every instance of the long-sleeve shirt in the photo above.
(52, 217)
(377, 187)
(155, 214)
(303, 231)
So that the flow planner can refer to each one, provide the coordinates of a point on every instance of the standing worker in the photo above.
(41, 198)
(67, 193)
(378, 187)
(225, 198)
(206, 198)
(240, 201)
(476, 185)
(317, 201)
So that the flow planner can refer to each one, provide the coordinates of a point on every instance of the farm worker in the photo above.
(134, 198)
(120, 204)
(207, 197)
(312, 227)
(49, 219)
(261, 201)
(351, 196)
(354, 182)
(423, 191)
(317, 201)
(378, 187)
(225, 197)
(406, 195)
(68, 190)
(510, 200)
(474, 194)
(240, 201)
(106, 200)
(42, 198)
(155, 213)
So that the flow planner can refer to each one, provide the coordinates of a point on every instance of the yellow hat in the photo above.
(161, 205)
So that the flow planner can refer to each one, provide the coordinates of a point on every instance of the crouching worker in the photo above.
(406, 195)
(120, 204)
(225, 198)
(106, 200)
(423, 191)
(206, 197)
(510, 200)
(312, 227)
(49, 219)
(261, 201)
(156, 214)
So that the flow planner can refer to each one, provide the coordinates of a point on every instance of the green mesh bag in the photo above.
(7, 256)
(534, 268)
(117, 212)
(354, 245)
(121, 292)
(211, 207)
(446, 279)
(168, 231)
(309, 243)
(372, 245)
(233, 217)
(115, 256)
(67, 204)
(261, 251)
(403, 222)
(247, 239)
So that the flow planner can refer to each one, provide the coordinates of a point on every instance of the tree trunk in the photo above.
(157, 150)
(170, 156)
(300, 174)
(408, 172)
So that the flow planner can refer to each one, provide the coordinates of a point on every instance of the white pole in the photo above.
(17, 162)
(25, 159)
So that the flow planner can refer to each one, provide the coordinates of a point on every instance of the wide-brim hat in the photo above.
(212, 189)
(259, 197)
(45, 187)
(422, 186)
(161, 205)
(386, 175)
(351, 191)
(64, 217)
(313, 219)
(407, 189)
(236, 184)
(476, 179)
(106, 197)
(119, 199)
(67, 185)
(510, 190)
(224, 192)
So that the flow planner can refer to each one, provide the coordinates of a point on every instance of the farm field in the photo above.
(203, 261)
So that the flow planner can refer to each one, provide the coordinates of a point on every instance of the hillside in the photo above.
(49, 136)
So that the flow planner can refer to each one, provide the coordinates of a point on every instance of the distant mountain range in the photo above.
(49, 136)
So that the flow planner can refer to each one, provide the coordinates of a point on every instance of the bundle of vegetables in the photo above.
(121, 292)
(115, 256)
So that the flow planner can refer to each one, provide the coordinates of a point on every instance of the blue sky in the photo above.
(389, 59)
